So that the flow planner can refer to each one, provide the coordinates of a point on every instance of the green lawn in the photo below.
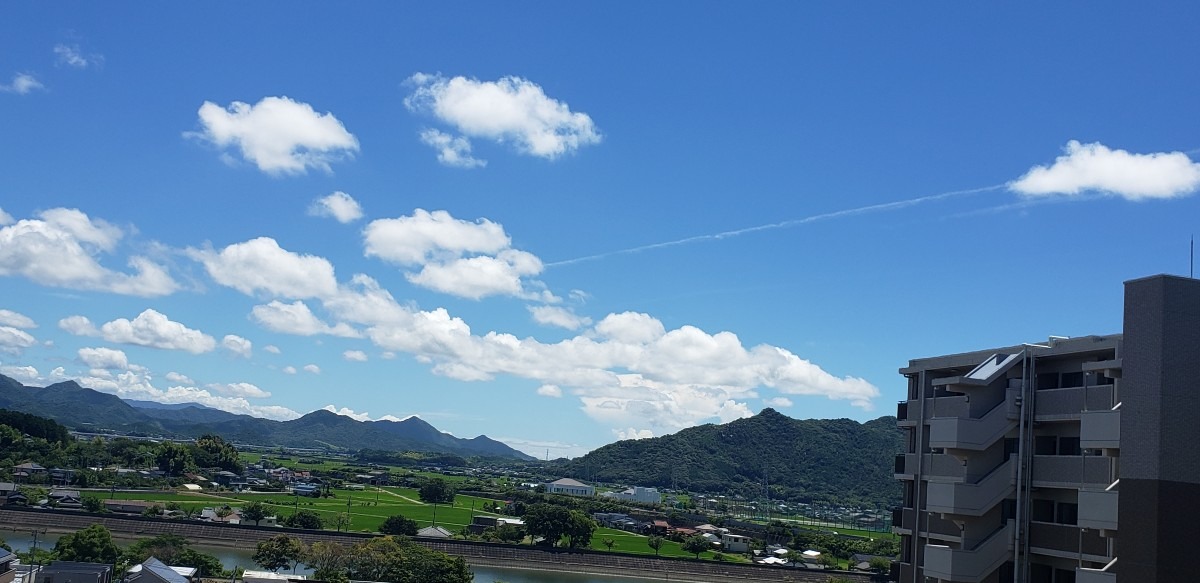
(628, 542)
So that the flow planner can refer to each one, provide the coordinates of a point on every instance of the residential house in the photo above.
(434, 532)
(636, 494)
(61, 476)
(71, 572)
(7, 560)
(735, 543)
(129, 506)
(26, 470)
(65, 498)
(570, 487)
(155, 571)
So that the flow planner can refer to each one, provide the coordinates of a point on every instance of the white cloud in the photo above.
(289, 370)
(138, 385)
(104, 358)
(279, 135)
(245, 390)
(16, 320)
(22, 84)
(23, 374)
(510, 110)
(262, 265)
(5, 218)
(14, 341)
(71, 56)
(1094, 167)
(452, 151)
(179, 378)
(154, 329)
(630, 328)
(541, 449)
(237, 345)
(272, 349)
(296, 318)
(462, 258)
(550, 391)
(427, 236)
(558, 316)
(312, 368)
(339, 206)
(345, 412)
(632, 433)
(778, 402)
(78, 326)
(387, 355)
(355, 355)
(60, 250)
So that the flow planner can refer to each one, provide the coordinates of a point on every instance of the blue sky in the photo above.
(565, 224)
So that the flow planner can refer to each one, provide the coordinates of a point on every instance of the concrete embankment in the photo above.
(475, 553)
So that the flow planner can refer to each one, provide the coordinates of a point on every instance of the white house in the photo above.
(570, 487)
(637, 494)
(735, 543)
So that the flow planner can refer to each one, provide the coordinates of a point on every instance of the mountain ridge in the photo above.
(85, 409)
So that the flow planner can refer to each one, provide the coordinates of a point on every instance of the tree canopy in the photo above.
(399, 524)
(278, 552)
(436, 491)
(93, 544)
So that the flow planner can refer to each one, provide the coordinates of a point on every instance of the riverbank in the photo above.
(475, 553)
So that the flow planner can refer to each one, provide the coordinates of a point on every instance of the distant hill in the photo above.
(84, 409)
(826, 460)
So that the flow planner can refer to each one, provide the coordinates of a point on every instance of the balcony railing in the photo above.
(973, 434)
(1098, 509)
(974, 499)
(970, 565)
(935, 465)
(1066, 538)
(933, 525)
(1070, 402)
(1093, 471)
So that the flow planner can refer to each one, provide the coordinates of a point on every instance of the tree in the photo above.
(306, 519)
(278, 552)
(93, 544)
(327, 560)
(255, 511)
(608, 543)
(509, 533)
(399, 560)
(93, 504)
(655, 542)
(436, 491)
(213, 452)
(696, 544)
(341, 520)
(398, 524)
(548, 521)
(173, 458)
(580, 527)
(880, 564)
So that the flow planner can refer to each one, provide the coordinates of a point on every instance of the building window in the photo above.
(1071, 380)
(1042, 511)
(1047, 380)
(1045, 445)
(1069, 446)
(1068, 513)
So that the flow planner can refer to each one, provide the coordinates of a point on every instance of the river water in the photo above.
(236, 557)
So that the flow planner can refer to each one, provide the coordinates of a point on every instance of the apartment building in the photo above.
(1070, 460)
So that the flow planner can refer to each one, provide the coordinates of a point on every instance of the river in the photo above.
(236, 557)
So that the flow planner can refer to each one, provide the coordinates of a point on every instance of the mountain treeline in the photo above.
(837, 461)
(34, 426)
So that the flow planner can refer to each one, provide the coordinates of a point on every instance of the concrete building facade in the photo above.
(1071, 460)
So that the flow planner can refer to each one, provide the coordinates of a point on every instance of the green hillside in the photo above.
(824, 460)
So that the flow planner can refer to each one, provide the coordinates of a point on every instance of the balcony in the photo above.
(905, 519)
(1073, 471)
(1083, 575)
(970, 566)
(936, 465)
(1067, 404)
(974, 499)
(974, 434)
(1100, 430)
(1098, 509)
(1067, 540)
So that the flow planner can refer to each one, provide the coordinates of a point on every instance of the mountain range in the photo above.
(84, 409)
(837, 461)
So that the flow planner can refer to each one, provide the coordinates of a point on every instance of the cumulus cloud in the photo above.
(510, 110)
(778, 402)
(463, 258)
(135, 384)
(364, 416)
(261, 265)
(237, 345)
(1095, 167)
(558, 316)
(312, 368)
(24, 374)
(272, 349)
(179, 378)
(60, 249)
(22, 84)
(452, 151)
(16, 320)
(289, 370)
(550, 391)
(5, 218)
(245, 390)
(154, 329)
(78, 326)
(355, 355)
(15, 341)
(104, 358)
(296, 318)
(72, 56)
(632, 433)
(277, 134)
(339, 206)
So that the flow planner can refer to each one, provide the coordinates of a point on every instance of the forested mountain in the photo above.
(84, 409)
(825, 460)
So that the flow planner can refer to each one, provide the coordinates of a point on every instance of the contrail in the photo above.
(887, 206)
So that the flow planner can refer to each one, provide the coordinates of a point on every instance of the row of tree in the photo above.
(394, 559)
